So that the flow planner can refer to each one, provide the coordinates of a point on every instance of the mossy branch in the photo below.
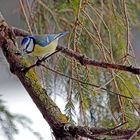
(45, 104)
(17, 63)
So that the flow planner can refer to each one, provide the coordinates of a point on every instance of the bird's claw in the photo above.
(66, 127)
(38, 62)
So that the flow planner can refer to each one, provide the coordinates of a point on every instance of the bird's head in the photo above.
(28, 44)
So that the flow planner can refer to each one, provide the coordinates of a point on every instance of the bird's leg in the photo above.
(38, 62)
(25, 70)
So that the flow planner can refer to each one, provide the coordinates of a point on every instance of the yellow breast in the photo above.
(46, 50)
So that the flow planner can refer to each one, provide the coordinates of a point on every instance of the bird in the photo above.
(41, 45)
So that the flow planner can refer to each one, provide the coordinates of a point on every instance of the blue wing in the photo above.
(47, 39)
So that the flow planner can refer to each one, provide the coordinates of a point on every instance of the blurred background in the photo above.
(13, 93)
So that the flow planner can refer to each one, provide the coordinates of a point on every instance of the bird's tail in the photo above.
(62, 34)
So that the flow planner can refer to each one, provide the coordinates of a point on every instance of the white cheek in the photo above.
(30, 47)
(24, 47)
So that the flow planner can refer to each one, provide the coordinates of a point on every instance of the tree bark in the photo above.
(45, 104)
(17, 63)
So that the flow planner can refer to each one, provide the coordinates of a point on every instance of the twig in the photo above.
(38, 62)
(94, 132)
(134, 134)
(112, 129)
(25, 15)
(83, 82)
(127, 26)
(31, 16)
(49, 10)
(87, 61)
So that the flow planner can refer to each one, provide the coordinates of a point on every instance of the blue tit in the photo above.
(42, 45)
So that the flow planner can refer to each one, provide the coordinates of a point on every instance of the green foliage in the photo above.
(100, 30)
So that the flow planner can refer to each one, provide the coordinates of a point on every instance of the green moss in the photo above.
(25, 63)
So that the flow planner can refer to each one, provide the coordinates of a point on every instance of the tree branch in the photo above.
(30, 81)
(95, 132)
(85, 60)
(82, 82)
(45, 104)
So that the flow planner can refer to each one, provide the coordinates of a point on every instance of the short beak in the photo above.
(24, 50)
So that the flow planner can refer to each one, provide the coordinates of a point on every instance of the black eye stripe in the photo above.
(28, 44)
